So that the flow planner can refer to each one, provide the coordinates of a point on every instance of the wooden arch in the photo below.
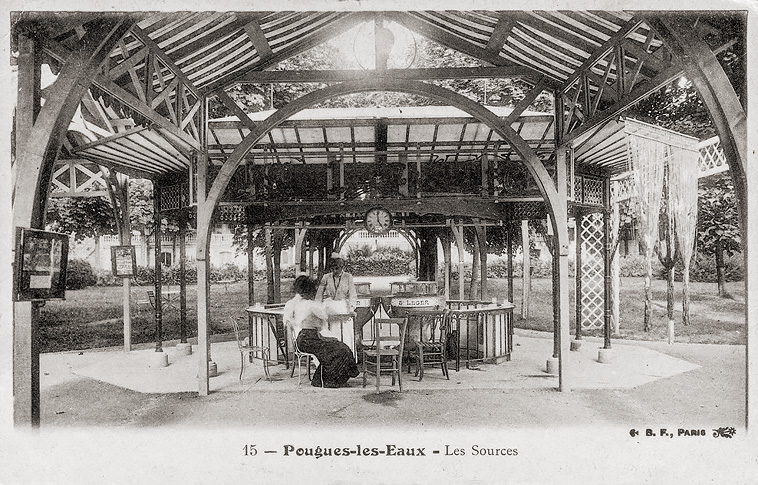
(556, 202)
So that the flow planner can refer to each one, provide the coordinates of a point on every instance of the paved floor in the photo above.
(632, 366)
(109, 414)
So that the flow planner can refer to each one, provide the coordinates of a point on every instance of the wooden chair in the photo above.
(141, 303)
(385, 354)
(431, 349)
(249, 350)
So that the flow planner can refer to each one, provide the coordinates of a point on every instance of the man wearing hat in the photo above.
(338, 285)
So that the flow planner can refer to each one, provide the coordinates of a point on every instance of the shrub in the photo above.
(703, 269)
(79, 274)
(229, 271)
(145, 275)
(382, 262)
(106, 278)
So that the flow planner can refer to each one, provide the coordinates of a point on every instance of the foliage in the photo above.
(428, 54)
(79, 274)
(81, 217)
(703, 269)
(717, 220)
(380, 262)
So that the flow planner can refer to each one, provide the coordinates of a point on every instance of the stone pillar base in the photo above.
(551, 367)
(576, 345)
(159, 359)
(184, 349)
(605, 356)
(212, 369)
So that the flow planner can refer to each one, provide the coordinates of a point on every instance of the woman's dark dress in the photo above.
(335, 358)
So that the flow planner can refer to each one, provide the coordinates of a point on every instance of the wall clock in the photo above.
(378, 220)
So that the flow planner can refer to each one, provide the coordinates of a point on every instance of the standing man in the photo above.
(338, 285)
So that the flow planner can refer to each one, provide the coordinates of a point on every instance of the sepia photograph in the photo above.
(344, 240)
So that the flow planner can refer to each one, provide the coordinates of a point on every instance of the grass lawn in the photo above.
(91, 318)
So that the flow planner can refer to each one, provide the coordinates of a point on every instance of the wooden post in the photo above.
(578, 269)
(526, 270)
(481, 234)
(183, 278)
(203, 271)
(126, 240)
(607, 256)
(250, 273)
(299, 237)
(556, 300)
(276, 250)
(448, 257)
(269, 267)
(458, 234)
(157, 280)
(509, 242)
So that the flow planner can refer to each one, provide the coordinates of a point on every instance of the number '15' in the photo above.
(249, 450)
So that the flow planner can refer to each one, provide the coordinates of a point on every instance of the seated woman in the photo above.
(306, 317)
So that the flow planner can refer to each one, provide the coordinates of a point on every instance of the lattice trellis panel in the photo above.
(75, 178)
(712, 159)
(230, 213)
(528, 210)
(592, 271)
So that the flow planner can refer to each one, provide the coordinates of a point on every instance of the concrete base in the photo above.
(605, 356)
(552, 365)
(576, 345)
(212, 369)
(159, 359)
(184, 349)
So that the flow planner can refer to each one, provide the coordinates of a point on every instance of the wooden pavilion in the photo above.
(131, 97)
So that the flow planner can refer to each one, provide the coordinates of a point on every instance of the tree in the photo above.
(718, 229)
(81, 217)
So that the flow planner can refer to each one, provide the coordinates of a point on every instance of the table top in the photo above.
(265, 311)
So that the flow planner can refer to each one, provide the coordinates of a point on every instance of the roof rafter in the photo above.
(603, 51)
(258, 38)
(145, 39)
(337, 27)
(265, 77)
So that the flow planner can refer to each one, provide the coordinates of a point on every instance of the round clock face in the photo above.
(378, 220)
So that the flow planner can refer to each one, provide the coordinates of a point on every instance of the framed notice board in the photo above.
(123, 261)
(40, 265)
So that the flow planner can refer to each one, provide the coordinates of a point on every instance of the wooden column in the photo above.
(578, 270)
(276, 254)
(157, 280)
(448, 257)
(183, 278)
(509, 243)
(556, 301)
(458, 234)
(560, 229)
(607, 256)
(26, 314)
(299, 260)
(526, 275)
(250, 264)
(204, 208)
(481, 234)
(269, 267)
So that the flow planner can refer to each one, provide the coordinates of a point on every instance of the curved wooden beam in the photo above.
(730, 119)
(532, 162)
(555, 205)
(35, 158)
(34, 165)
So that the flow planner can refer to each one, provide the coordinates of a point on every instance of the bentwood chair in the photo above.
(298, 356)
(248, 350)
(385, 354)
